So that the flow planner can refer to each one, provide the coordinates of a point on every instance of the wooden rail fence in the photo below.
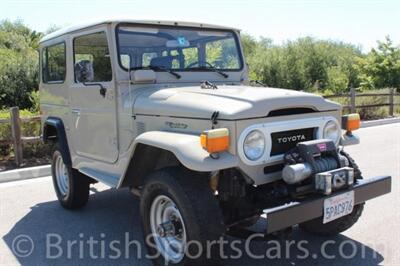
(17, 139)
(353, 95)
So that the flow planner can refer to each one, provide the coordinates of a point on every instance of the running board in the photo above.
(103, 177)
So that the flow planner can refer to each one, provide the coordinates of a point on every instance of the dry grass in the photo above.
(371, 113)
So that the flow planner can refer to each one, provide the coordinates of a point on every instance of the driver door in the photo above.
(94, 123)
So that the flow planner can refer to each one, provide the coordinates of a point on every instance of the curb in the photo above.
(380, 122)
(25, 173)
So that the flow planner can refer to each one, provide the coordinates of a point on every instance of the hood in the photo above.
(232, 102)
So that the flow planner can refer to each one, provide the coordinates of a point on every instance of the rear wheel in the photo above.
(72, 187)
(180, 215)
(337, 226)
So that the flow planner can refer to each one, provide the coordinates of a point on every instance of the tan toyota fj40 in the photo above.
(166, 109)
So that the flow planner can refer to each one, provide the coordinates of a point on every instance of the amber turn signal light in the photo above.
(351, 122)
(215, 140)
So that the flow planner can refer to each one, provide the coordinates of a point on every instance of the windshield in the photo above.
(177, 48)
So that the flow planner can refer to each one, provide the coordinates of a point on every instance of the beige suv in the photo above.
(166, 109)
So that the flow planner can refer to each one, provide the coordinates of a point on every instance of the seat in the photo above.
(102, 69)
(162, 62)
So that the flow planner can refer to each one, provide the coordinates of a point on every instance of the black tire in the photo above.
(316, 227)
(77, 194)
(199, 209)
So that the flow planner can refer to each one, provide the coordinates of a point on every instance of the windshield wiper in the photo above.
(159, 68)
(216, 70)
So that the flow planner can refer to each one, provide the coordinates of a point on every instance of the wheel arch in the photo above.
(54, 130)
(154, 150)
(146, 159)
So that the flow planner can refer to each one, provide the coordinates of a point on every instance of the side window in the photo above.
(175, 61)
(92, 58)
(146, 58)
(53, 63)
(126, 61)
(223, 54)
(191, 55)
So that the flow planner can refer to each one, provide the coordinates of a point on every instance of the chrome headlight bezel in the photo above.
(332, 131)
(258, 149)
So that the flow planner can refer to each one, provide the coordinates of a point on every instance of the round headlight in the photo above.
(332, 131)
(254, 145)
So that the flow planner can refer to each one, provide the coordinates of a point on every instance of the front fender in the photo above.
(58, 125)
(187, 150)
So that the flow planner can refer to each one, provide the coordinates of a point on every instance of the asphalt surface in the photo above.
(35, 230)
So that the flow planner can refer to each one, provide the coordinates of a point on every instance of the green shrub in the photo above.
(18, 64)
(35, 100)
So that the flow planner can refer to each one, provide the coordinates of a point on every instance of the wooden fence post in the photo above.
(391, 102)
(16, 134)
(352, 100)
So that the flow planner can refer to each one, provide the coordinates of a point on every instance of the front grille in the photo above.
(290, 111)
(286, 140)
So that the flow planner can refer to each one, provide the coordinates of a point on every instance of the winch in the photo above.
(318, 158)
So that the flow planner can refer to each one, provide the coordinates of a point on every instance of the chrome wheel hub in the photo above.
(168, 229)
(61, 174)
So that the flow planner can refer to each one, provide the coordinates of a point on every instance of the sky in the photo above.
(361, 22)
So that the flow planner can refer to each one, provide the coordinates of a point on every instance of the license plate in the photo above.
(338, 206)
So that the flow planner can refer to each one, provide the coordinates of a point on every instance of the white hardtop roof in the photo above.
(150, 22)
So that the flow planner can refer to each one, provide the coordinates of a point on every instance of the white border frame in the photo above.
(268, 128)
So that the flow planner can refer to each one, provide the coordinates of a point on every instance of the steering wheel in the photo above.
(198, 63)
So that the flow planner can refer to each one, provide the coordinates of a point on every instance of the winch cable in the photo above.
(325, 164)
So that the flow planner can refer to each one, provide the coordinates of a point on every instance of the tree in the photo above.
(304, 64)
(18, 64)
(337, 80)
(381, 67)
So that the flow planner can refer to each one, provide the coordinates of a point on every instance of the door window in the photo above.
(92, 58)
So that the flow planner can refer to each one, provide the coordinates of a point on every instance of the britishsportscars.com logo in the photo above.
(53, 246)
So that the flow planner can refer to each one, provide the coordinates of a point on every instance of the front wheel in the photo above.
(180, 215)
(71, 186)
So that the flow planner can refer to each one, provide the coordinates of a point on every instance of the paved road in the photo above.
(60, 237)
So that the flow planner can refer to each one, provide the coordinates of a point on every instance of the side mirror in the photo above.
(142, 76)
(83, 76)
(84, 71)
